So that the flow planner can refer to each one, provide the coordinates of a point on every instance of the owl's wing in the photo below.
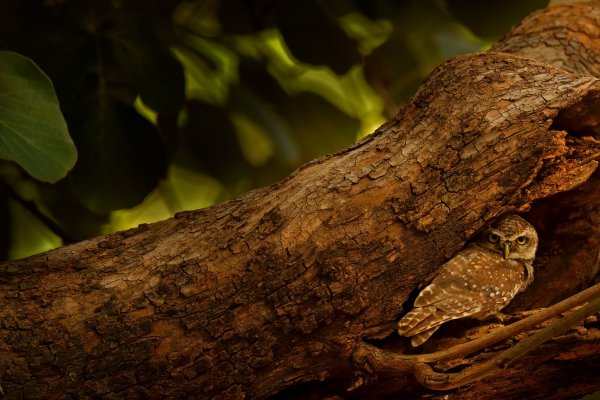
(472, 283)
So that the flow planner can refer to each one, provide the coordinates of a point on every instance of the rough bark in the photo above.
(265, 295)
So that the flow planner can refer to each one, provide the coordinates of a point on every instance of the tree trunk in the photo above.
(267, 295)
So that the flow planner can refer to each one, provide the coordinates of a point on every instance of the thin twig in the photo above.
(444, 381)
(511, 330)
(373, 359)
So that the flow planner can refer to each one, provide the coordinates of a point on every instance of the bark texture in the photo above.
(266, 294)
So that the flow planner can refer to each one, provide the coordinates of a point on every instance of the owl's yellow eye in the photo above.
(493, 238)
(521, 240)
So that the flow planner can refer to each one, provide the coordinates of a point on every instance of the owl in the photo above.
(478, 281)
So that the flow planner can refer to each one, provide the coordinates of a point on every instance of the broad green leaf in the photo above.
(33, 132)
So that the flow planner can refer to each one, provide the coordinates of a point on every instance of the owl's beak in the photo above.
(506, 249)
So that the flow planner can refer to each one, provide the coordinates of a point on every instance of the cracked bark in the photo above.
(266, 294)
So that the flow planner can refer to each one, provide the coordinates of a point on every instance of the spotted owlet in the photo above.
(478, 281)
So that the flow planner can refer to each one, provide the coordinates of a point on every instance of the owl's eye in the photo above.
(521, 240)
(493, 238)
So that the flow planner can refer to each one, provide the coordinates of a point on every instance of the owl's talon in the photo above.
(499, 318)
(357, 382)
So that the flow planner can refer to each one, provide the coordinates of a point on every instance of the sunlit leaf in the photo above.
(33, 132)
(209, 69)
(121, 154)
(368, 34)
(183, 189)
(28, 234)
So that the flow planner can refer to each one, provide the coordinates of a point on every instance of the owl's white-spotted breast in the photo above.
(478, 281)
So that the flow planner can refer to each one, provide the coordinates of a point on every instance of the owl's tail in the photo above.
(419, 339)
(420, 323)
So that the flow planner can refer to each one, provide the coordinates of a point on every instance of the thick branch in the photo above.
(251, 297)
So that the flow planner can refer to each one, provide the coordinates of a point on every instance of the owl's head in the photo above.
(512, 237)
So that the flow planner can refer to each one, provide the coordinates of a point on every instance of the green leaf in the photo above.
(28, 234)
(121, 154)
(153, 69)
(33, 132)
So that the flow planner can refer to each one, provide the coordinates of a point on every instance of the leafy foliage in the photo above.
(166, 98)
(33, 132)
